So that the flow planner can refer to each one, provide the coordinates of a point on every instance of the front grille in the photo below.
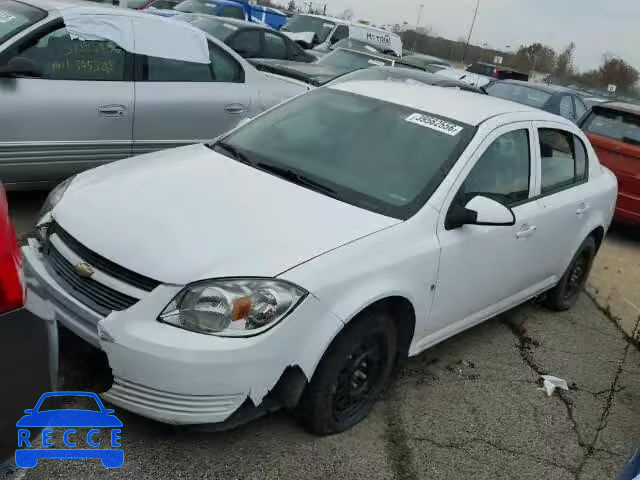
(95, 295)
(100, 263)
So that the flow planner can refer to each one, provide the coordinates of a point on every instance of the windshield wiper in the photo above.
(298, 178)
(230, 151)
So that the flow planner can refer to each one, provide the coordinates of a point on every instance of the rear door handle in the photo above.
(112, 110)
(582, 209)
(526, 231)
(234, 108)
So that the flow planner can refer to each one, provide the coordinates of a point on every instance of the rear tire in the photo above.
(565, 294)
(351, 375)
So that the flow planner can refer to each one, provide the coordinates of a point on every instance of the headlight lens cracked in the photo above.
(232, 307)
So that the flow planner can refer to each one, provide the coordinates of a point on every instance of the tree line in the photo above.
(559, 66)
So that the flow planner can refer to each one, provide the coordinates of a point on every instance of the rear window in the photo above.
(15, 17)
(613, 124)
(518, 93)
(481, 69)
(350, 60)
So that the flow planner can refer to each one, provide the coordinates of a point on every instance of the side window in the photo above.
(166, 70)
(247, 43)
(566, 108)
(581, 108)
(341, 32)
(581, 160)
(274, 46)
(564, 159)
(61, 58)
(231, 12)
(225, 68)
(502, 172)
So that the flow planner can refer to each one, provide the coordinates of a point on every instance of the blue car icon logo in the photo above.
(63, 424)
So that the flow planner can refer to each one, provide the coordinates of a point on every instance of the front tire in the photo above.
(565, 294)
(351, 375)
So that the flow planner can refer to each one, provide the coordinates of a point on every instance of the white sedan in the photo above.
(295, 260)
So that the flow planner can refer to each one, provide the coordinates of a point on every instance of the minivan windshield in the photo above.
(15, 17)
(211, 25)
(303, 23)
(380, 156)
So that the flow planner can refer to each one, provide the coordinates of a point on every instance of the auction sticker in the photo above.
(6, 17)
(434, 123)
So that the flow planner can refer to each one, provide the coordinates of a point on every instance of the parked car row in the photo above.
(69, 105)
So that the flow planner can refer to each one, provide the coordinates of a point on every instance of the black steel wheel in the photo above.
(565, 294)
(351, 375)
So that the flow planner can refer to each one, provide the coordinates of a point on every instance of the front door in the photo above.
(485, 269)
(178, 102)
(77, 116)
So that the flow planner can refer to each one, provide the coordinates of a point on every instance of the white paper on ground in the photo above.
(149, 35)
(550, 383)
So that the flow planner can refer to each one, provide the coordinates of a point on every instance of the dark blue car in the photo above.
(45, 417)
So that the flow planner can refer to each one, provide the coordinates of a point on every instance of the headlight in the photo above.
(55, 196)
(232, 307)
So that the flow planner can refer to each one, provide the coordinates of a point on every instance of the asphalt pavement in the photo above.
(469, 408)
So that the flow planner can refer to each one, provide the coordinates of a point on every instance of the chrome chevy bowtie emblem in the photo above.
(83, 269)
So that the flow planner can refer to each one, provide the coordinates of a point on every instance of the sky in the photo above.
(596, 26)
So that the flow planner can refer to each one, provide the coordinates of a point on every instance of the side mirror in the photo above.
(480, 211)
(20, 67)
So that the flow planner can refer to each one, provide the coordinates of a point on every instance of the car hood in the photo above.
(315, 73)
(189, 214)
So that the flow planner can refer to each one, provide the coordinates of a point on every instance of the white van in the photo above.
(320, 32)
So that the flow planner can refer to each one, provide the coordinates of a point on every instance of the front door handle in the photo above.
(234, 108)
(526, 231)
(582, 209)
(112, 110)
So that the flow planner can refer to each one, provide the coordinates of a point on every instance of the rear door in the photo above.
(564, 193)
(78, 115)
(615, 135)
(179, 102)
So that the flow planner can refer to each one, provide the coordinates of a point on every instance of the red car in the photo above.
(614, 131)
(28, 356)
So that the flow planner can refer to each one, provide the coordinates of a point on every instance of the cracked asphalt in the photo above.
(470, 408)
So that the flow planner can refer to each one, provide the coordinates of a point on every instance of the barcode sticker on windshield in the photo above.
(434, 123)
(230, 27)
(6, 17)
(327, 25)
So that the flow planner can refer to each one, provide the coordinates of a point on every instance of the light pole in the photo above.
(415, 38)
(473, 22)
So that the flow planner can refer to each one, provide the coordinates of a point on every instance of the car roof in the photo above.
(544, 87)
(231, 21)
(466, 107)
(620, 106)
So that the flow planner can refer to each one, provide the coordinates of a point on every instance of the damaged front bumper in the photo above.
(181, 377)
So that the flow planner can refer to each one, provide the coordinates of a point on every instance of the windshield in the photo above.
(354, 44)
(518, 93)
(379, 156)
(15, 17)
(302, 23)
(349, 60)
(217, 28)
(376, 74)
(616, 125)
(196, 6)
